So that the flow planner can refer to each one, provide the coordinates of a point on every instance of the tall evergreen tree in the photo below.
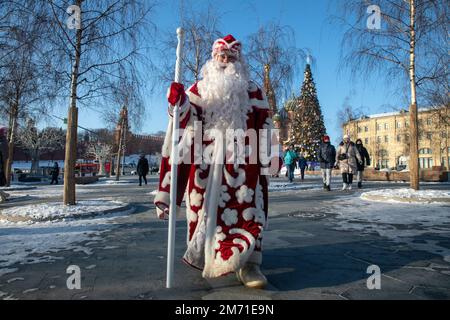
(307, 125)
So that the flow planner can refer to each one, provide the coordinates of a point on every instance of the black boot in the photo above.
(328, 188)
(359, 185)
(324, 186)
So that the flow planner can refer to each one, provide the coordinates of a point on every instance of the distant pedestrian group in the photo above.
(350, 158)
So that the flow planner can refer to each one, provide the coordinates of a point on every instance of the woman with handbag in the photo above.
(347, 157)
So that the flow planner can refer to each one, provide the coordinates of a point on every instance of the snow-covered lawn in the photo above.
(407, 195)
(419, 225)
(26, 243)
(58, 211)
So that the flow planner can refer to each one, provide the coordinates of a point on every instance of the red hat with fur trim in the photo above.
(227, 43)
(326, 139)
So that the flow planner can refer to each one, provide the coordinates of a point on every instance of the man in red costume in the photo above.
(226, 201)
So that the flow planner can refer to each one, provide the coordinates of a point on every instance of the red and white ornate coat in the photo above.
(226, 204)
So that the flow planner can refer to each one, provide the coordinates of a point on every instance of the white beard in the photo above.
(224, 92)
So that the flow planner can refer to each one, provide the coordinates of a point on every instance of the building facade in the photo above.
(386, 137)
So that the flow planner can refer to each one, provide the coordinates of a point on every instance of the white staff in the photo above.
(174, 171)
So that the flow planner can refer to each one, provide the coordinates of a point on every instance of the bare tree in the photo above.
(402, 50)
(348, 113)
(101, 152)
(201, 29)
(106, 36)
(274, 59)
(26, 83)
(35, 142)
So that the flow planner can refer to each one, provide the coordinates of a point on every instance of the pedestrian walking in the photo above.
(290, 159)
(348, 157)
(55, 173)
(302, 164)
(327, 156)
(142, 169)
(365, 161)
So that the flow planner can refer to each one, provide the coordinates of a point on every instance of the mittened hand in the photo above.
(176, 93)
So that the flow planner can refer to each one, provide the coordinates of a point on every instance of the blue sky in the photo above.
(308, 18)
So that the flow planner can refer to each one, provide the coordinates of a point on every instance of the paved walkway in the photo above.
(311, 251)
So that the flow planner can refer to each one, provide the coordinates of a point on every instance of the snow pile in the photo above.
(407, 195)
(58, 211)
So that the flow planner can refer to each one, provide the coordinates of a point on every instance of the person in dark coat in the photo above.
(327, 156)
(55, 173)
(142, 169)
(302, 164)
(365, 161)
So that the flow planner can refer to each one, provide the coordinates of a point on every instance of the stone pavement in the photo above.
(305, 256)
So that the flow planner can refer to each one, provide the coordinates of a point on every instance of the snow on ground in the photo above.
(58, 211)
(26, 243)
(44, 191)
(287, 186)
(17, 187)
(407, 195)
(102, 182)
(421, 226)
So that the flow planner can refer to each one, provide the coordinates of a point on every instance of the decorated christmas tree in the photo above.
(307, 126)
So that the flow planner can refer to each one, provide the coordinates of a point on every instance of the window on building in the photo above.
(366, 141)
(407, 124)
(383, 164)
(443, 134)
(378, 126)
(425, 163)
(429, 135)
(359, 129)
(378, 139)
(429, 121)
(399, 138)
(406, 137)
(386, 139)
(366, 129)
(386, 126)
(399, 124)
(425, 151)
